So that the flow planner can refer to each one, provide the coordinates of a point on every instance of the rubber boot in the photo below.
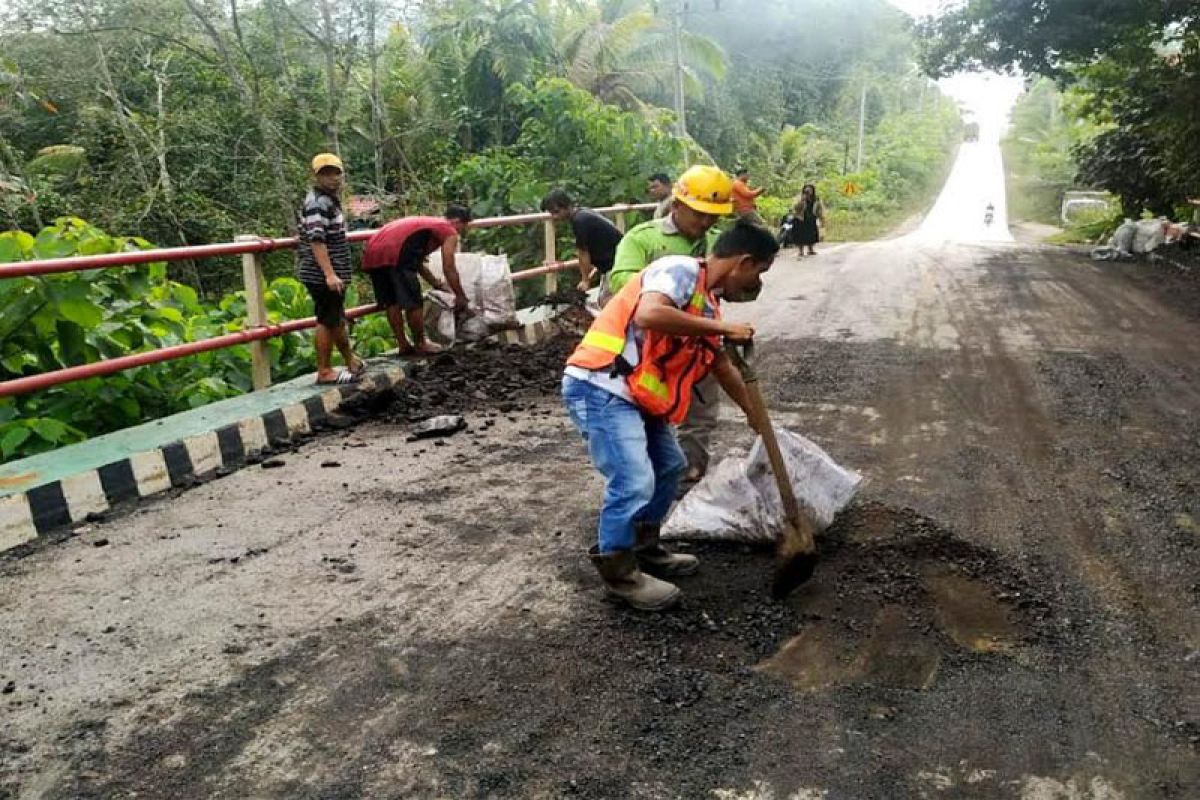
(656, 559)
(626, 582)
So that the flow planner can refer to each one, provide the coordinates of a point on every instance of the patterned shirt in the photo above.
(673, 276)
(321, 220)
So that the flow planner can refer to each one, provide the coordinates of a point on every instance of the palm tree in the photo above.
(621, 51)
(492, 44)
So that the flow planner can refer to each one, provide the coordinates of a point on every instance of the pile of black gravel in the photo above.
(488, 375)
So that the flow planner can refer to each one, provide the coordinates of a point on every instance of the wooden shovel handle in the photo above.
(762, 421)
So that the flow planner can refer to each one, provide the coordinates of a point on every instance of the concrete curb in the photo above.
(40, 509)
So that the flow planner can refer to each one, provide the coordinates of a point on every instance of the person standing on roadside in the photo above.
(323, 266)
(395, 260)
(745, 199)
(631, 378)
(700, 197)
(659, 189)
(809, 213)
(596, 239)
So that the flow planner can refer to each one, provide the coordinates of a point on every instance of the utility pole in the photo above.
(862, 125)
(677, 33)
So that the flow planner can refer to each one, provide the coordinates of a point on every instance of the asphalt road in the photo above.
(1009, 610)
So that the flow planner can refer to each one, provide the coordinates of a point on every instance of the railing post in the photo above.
(256, 316)
(551, 255)
(621, 221)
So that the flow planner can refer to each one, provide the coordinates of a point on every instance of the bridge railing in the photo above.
(257, 327)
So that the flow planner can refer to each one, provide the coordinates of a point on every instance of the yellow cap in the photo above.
(323, 160)
(706, 189)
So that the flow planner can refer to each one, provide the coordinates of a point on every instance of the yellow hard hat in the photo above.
(323, 160)
(706, 189)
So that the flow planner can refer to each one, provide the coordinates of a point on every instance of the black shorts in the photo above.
(330, 306)
(397, 286)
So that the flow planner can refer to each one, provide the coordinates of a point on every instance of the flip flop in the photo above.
(360, 370)
(343, 378)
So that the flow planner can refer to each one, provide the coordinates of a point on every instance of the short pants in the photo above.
(330, 306)
(397, 286)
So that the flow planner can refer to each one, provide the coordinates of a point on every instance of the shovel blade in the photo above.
(795, 560)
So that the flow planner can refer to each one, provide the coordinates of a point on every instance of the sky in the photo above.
(988, 95)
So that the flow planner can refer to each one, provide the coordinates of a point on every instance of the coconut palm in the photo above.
(492, 44)
(622, 52)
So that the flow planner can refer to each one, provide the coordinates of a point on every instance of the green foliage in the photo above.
(1092, 227)
(56, 321)
(907, 158)
(622, 52)
(599, 153)
(1046, 128)
(495, 45)
(567, 138)
(1146, 151)
(1038, 38)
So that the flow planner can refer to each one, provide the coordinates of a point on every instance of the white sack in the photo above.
(1149, 235)
(439, 317)
(497, 301)
(487, 283)
(739, 500)
(473, 329)
(1122, 239)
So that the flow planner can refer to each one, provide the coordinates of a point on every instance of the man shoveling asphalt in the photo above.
(631, 379)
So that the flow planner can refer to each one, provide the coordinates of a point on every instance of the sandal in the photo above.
(343, 378)
(359, 369)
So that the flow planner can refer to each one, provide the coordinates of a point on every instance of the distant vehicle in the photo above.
(1082, 207)
(971, 132)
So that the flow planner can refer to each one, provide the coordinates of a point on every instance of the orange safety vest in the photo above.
(668, 367)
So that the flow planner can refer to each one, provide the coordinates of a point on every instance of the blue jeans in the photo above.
(637, 455)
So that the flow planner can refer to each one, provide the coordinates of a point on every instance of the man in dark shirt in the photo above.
(659, 189)
(323, 266)
(596, 239)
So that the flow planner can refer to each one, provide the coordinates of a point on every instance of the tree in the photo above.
(492, 44)
(1137, 62)
(1047, 38)
(620, 51)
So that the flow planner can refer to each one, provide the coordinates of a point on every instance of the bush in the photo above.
(56, 321)
(597, 152)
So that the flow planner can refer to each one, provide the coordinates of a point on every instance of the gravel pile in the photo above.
(488, 375)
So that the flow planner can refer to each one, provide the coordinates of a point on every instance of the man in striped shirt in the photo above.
(323, 266)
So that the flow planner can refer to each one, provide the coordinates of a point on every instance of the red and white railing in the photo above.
(257, 326)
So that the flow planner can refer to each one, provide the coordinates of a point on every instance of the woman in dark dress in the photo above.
(809, 216)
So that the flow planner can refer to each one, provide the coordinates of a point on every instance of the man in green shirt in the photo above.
(701, 197)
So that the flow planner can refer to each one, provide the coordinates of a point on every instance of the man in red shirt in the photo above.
(395, 260)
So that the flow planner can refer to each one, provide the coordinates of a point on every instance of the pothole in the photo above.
(893, 597)
(969, 612)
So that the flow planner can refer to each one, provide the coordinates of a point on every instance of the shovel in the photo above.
(796, 546)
